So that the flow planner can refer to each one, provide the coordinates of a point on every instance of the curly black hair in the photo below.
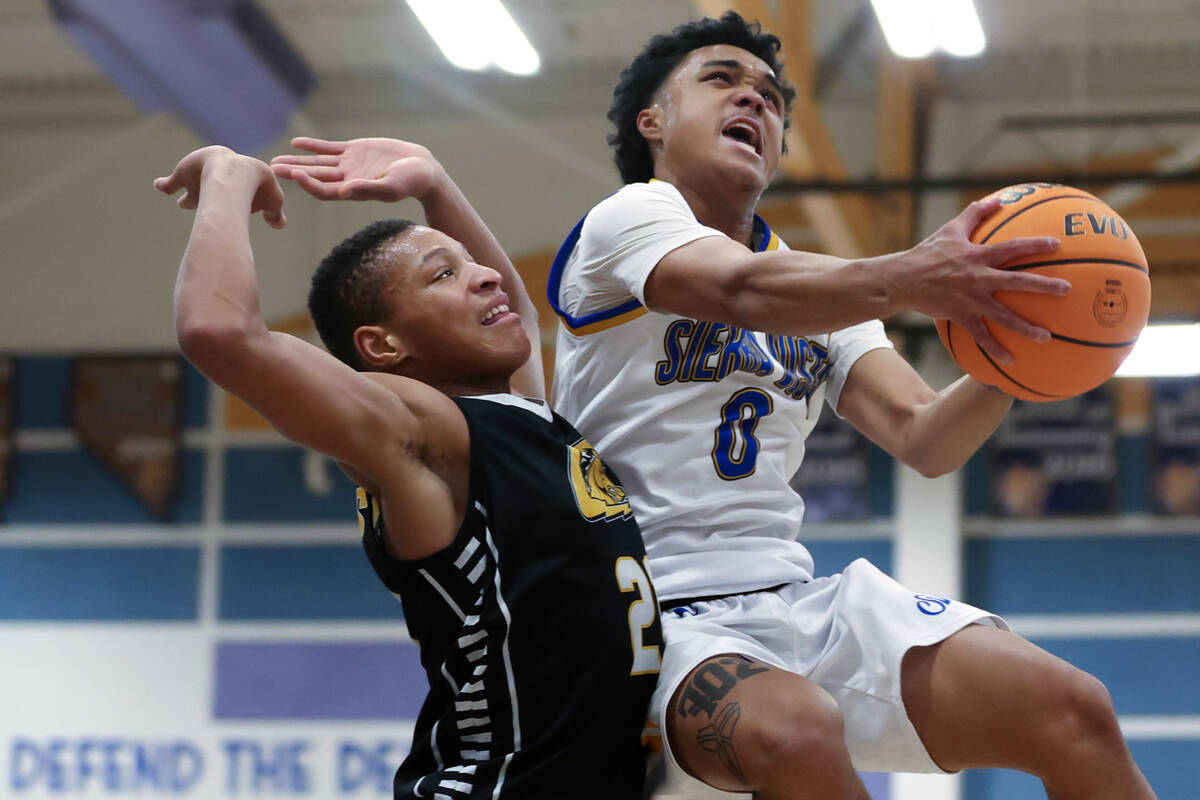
(642, 78)
(347, 288)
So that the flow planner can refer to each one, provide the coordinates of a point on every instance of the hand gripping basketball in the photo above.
(1093, 327)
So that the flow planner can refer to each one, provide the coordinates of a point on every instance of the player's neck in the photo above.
(717, 204)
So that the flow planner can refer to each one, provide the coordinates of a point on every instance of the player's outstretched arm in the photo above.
(792, 292)
(374, 424)
(932, 432)
(390, 170)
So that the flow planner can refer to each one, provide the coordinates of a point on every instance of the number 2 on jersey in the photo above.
(735, 451)
(631, 577)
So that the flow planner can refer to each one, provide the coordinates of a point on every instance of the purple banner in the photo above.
(318, 680)
(834, 479)
(1056, 459)
(6, 437)
(1175, 482)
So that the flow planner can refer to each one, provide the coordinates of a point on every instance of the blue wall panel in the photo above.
(1133, 473)
(194, 394)
(302, 582)
(1002, 784)
(42, 388)
(882, 469)
(831, 556)
(43, 393)
(1084, 575)
(267, 485)
(1144, 676)
(99, 583)
(977, 498)
(1172, 767)
(71, 486)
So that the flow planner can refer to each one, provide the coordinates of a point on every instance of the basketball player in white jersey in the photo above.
(696, 351)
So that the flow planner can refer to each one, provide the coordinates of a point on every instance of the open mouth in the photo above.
(744, 134)
(494, 314)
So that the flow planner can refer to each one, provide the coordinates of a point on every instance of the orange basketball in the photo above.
(1092, 328)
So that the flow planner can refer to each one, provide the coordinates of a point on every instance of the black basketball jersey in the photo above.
(538, 625)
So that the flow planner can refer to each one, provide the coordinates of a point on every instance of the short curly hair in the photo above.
(347, 288)
(642, 78)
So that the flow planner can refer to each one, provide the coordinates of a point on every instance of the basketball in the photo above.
(1093, 328)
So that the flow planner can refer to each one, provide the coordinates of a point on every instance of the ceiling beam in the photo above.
(712, 8)
(1185, 157)
(895, 151)
(750, 10)
(1176, 297)
(901, 124)
(842, 224)
(830, 65)
(984, 182)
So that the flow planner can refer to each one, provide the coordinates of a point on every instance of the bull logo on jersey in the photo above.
(369, 512)
(596, 493)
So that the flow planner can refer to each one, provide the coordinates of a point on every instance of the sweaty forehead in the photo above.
(400, 252)
(401, 255)
(749, 62)
(409, 251)
(426, 240)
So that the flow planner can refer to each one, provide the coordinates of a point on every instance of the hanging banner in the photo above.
(834, 479)
(1056, 459)
(1175, 446)
(126, 412)
(6, 436)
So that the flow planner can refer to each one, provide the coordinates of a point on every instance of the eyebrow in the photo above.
(437, 251)
(730, 63)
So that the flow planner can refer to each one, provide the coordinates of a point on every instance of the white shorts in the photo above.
(847, 633)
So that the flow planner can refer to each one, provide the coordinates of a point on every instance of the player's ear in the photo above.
(379, 348)
(650, 123)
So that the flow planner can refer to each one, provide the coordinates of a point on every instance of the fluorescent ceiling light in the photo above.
(906, 27)
(1164, 350)
(473, 34)
(915, 28)
(957, 28)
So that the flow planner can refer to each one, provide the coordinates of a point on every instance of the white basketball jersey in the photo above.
(703, 422)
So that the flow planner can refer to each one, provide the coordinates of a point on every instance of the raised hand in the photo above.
(362, 169)
(947, 276)
(223, 163)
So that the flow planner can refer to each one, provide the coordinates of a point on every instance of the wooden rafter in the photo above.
(842, 224)
(896, 132)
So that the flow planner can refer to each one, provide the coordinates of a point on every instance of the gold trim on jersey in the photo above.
(604, 324)
(773, 243)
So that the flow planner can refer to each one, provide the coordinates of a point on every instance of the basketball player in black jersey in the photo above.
(512, 547)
